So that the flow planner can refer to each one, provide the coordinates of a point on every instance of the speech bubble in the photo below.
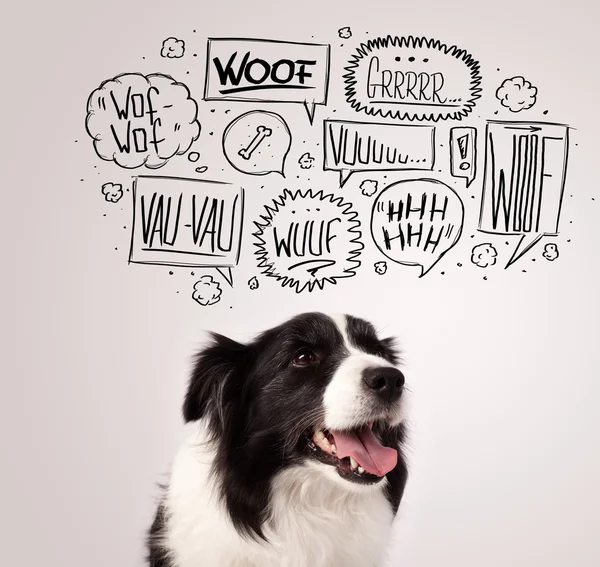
(525, 173)
(463, 153)
(307, 239)
(257, 143)
(416, 222)
(260, 70)
(138, 120)
(187, 222)
(359, 146)
(412, 78)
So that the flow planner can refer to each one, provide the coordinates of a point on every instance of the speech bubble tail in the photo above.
(425, 269)
(470, 180)
(310, 110)
(526, 243)
(227, 274)
(344, 176)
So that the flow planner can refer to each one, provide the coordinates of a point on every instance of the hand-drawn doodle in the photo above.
(369, 187)
(550, 252)
(260, 70)
(306, 239)
(517, 94)
(172, 48)
(463, 153)
(345, 33)
(412, 78)
(524, 180)
(253, 283)
(112, 192)
(306, 161)
(484, 255)
(380, 267)
(359, 146)
(207, 291)
(193, 157)
(416, 222)
(187, 222)
(138, 120)
(201, 169)
(257, 143)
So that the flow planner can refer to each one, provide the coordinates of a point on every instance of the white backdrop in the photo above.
(503, 363)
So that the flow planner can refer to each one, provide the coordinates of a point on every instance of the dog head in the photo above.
(317, 391)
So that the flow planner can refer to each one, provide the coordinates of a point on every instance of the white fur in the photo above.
(316, 520)
(345, 398)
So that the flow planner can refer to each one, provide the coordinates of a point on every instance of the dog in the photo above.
(298, 456)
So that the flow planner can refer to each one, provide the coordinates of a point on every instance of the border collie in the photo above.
(297, 461)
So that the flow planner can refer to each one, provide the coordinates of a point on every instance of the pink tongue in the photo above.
(368, 452)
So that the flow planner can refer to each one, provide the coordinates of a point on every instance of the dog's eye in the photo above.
(304, 358)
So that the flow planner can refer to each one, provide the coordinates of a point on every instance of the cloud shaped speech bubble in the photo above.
(257, 143)
(140, 120)
(416, 222)
(306, 239)
(412, 78)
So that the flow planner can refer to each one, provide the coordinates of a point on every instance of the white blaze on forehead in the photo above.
(347, 404)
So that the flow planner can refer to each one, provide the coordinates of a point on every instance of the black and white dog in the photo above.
(298, 458)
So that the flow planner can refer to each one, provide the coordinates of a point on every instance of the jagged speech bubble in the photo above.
(412, 78)
(306, 239)
(416, 222)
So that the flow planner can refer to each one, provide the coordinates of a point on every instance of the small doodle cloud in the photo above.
(550, 252)
(306, 161)
(380, 267)
(253, 283)
(112, 192)
(517, 94)
(484, 255)
(207, 291)
(369, 187)
(345, 33)
(172, 48)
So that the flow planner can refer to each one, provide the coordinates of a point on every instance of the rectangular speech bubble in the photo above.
(524, 180)
(463, 153)
(261, 70)
(362, 146)
(186, 222)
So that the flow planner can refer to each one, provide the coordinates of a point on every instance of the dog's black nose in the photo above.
(385, 382)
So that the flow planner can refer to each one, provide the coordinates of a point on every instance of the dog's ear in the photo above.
(214, 387)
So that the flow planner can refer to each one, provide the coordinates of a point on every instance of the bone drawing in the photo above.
(262, 132)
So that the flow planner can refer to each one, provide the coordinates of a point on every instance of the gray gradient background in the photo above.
(504, 458)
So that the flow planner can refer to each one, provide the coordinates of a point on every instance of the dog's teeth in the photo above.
(353, 463)
(334, 449)
(320, 435)
(360, 470)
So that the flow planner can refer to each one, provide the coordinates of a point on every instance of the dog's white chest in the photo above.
(315, 522)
